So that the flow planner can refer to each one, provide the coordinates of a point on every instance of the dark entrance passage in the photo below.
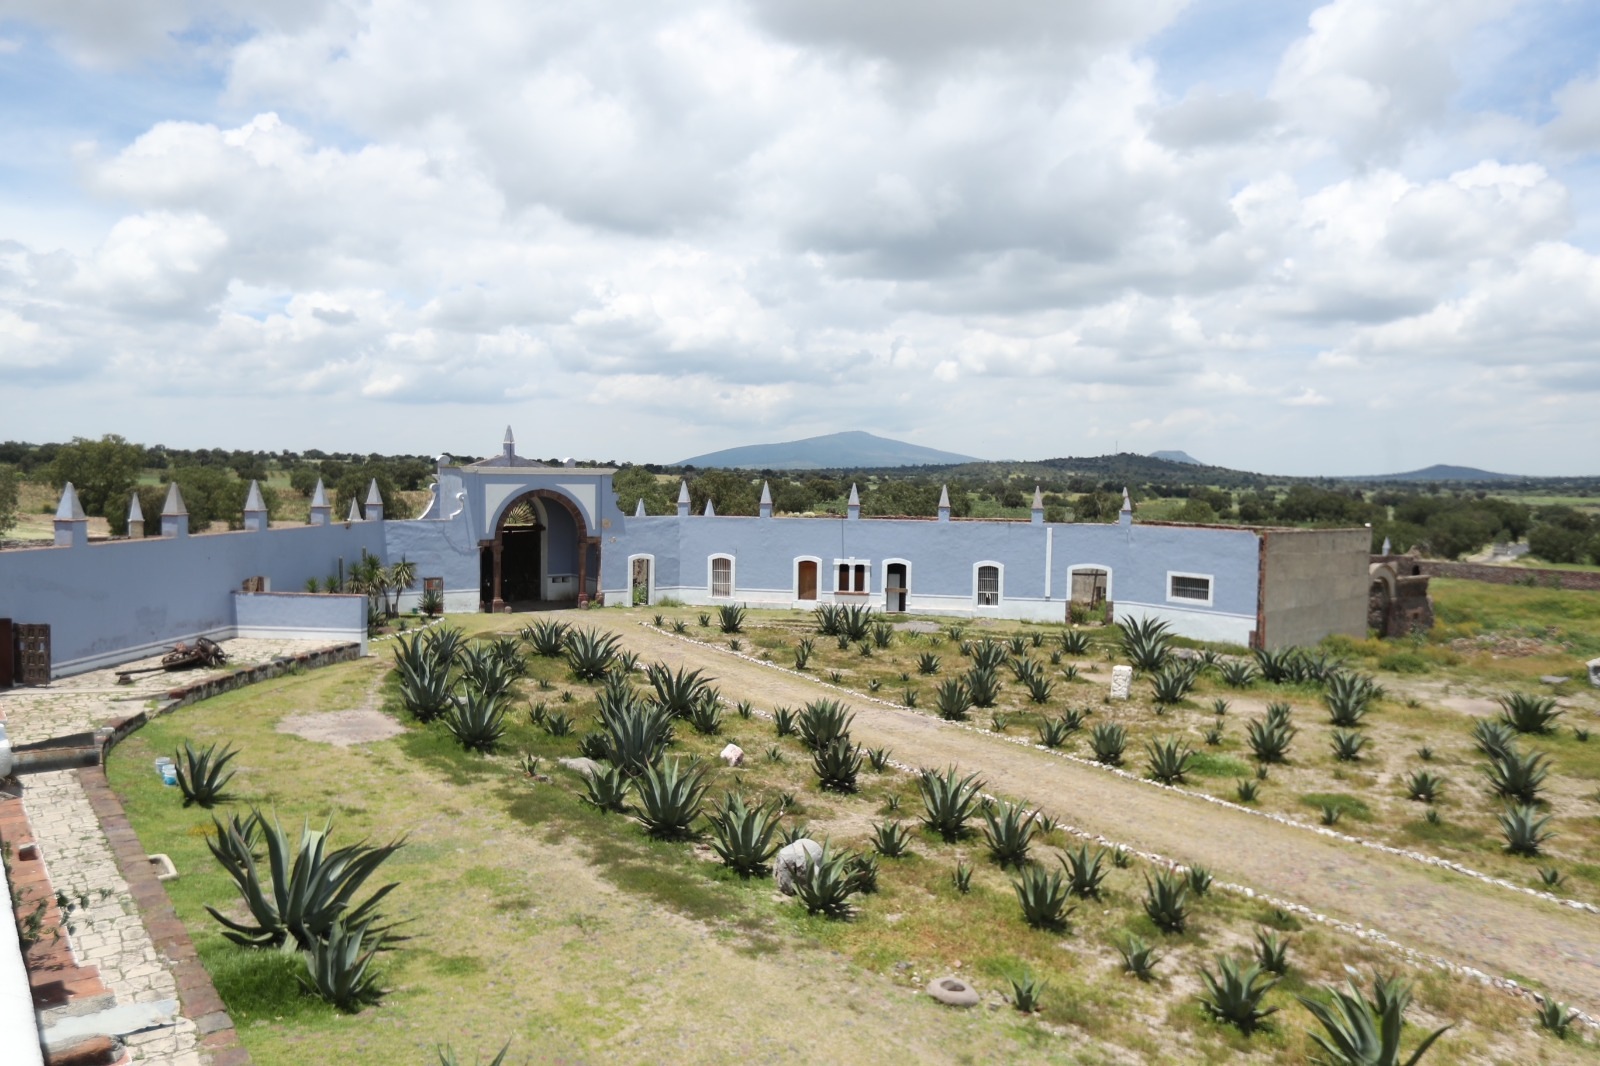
(519, 564)
(896, 588)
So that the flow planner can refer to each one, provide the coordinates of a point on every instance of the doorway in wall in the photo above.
(640, 583)
(896, 588)
(807, 579)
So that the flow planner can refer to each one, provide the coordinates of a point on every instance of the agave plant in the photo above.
(509, 651)
(1109, 740)
(1213, 735)
(1039, 688)
(882, 634)
(784, 722)
(447, 1055)
(425, 681)
(927, 663)
(1233, 994)
(1026, 989)
(953, 700)
(477, 720)
(1555, 1017)
(826, 884)
(1043, 896)
(821, 722)
(1272, 952)
(1138, 958)
(1236, 673)
(909, 697)
(1169, 760)
(606, 789)
(303, 891)
(802, 652)
(1348, 697)
(339, 967)
(1278, 665)
(891, 839)
(1528, 714)
(855, 622)
(1347, 745)
(202, 775)
(1009, 833)
(1424, 786)
(1248, 791)
(1199, 879)
(1269, 739)
(1074, 642)
(1524, 829)
(989, 654)
(1357, 1031)
(558, 724)
(678, 691)
(837, 764)
(1492, 739)
(1085, 872)
(705, 717)
(590, 654)
(546, 638)
(1166, 901)
(962, 877)
(1172, 683)
(743, 837)
(636, 734)
(948, 801)
(1024, 668)
(1517, 776)
(669, 799)
(827, 616)
(1053, 732)
(484, 672)
(1146, 642)
(862, 870)
(984, 686)
(730, 618)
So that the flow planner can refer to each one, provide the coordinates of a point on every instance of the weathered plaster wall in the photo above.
(337, 618)
(1316, 584)
(109, 602)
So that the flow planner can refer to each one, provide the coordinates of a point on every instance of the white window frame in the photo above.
(711, 576)
(798, 559)
(1000, 585)
(1211, 588)
(865, 566)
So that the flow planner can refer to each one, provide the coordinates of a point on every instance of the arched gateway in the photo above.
(542, 552)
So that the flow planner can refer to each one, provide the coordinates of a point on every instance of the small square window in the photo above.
(1190, 588)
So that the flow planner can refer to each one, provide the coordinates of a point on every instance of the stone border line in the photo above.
(196, 994)
(1387, 849)
(1361, 932)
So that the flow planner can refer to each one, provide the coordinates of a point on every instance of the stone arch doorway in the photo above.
(542, 553)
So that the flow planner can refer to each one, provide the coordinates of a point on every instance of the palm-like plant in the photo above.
(1233, 994)
(1527, 713)
(669, 799)
(1108, 740)
(1146, 642)
(948, 801)
(743, 837)
(203, 775)
(1009, 833)
(302, 892)
(1357, 1031)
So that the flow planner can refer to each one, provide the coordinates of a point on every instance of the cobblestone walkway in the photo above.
(107, 931)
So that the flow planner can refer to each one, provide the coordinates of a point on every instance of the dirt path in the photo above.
(1431, 910)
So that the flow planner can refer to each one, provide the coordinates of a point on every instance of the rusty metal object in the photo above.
(204, 652)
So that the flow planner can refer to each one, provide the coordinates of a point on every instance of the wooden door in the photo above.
(33, 654)
(808, 580)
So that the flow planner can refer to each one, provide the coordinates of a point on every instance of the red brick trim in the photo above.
(197, 996)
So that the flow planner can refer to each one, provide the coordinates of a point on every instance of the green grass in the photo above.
(1347, 806)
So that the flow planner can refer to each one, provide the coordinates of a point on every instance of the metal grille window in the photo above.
(1190, 588)
(722, 577)
(988, 586)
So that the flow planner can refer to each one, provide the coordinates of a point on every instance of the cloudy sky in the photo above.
(1306, 239)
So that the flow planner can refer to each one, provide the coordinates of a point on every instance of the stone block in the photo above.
(1121, 682)
(732, 755)
(793, 860)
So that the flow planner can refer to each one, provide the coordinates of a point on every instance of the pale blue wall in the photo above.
(337, 618)
(109, 602)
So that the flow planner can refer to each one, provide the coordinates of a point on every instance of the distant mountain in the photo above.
(853, 449)
(1440, 472)
(1177, 457)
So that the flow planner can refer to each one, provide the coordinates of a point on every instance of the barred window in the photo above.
(1187, 587)
(988, 586)
(722, 576)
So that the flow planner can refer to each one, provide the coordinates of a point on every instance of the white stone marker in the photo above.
(1121, 682)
